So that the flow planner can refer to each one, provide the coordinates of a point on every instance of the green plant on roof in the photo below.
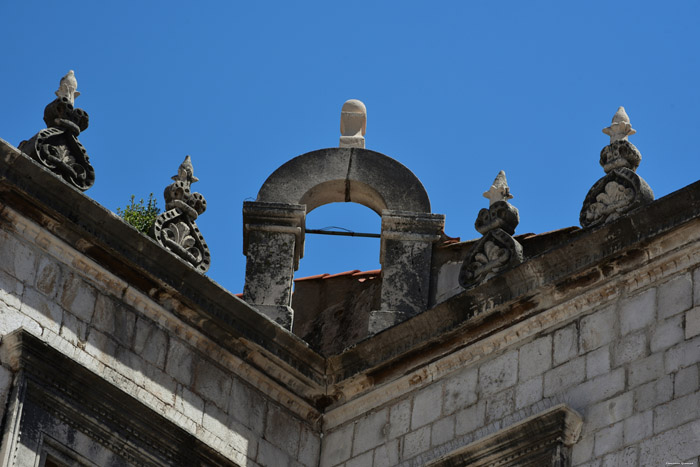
(139, 215)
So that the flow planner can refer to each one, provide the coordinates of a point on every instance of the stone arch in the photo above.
(346, 175)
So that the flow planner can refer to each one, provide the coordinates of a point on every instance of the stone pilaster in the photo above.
(273, 242)
(406, 254)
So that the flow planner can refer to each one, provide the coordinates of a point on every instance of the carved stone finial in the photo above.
(175, 229)
(57, 147)
(499, 191)
(497, 250)
(353, 124)
(621, 190)
(620, 128)
(67, 87)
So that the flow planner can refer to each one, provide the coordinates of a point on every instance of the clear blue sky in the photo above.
(456, 91)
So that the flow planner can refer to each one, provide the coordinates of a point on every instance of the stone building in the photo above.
(574, 347)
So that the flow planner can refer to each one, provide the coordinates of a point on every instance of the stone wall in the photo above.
(95, 318)
(627, 358)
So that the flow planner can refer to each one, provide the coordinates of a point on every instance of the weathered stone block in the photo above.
(44, 310)
(79, 297)
(608, 439)
(189, 404)
(582, 451)
(628, 349)
(416, 442)
(597, 362)
(696, 287)
(692, 323)
(400, 419)
(666, 334)
(565, 344)
(638, 311)
(625, 458)
(336, 446)
(642, 371)
(500, 405)
(608, 412)
(675, 296)
(598, 329)
(535, 358)
(682, 355)
(677, 445)
(5, 386)
(309, 447)
(114, 319)
(370, 431)
(563, 376)
(460, 390)
(686, 381)
(427, 406)
(529, 392)
(442, 431)
(23, 261)
(10, 291)
(282, 430)
(49, 278)
(597, 389)
(150, 342)
(676, 412)
(470, 418)
(499, 373)
(654, 393)
(387, 455)
(247, 406)
(73, 330)
(362, 460)
(638, 426)
(211, 382)
(270, 456)
(179, 362)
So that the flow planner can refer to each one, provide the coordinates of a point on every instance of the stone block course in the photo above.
(247, 406)
(597, 389)
(179, 361)
(666, 334)
(535, 358)
(10, 291)
(500, 405)
(685, 381)
(638, 427)
(387, 455)
(499, 373)
(598, 329)
(638, 311)
(442, 431)
(460, 391)
(677, 445)
(400, 418)
(692, 323)
(150, 342)
(336, 446)
(624, 458)
(210, 382)
(270, 456)
(648, 369)
(675, 296)
(283, 430)
(597, 362)
(78, 297)
(608, 439)
(682, 355)
(565, 344)
(370, 431)
(416, 442)
(528, 392)
(49, 278)
(471, 418)
(564, 376)
(427, 406)
(653, 393)
(114, 319)
(629, 348)
(582, 451)
(608, 412)
(363, 460)
(309, 447)
(676, 412)
(41, 309)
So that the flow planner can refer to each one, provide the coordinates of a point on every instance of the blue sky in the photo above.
(456, 91)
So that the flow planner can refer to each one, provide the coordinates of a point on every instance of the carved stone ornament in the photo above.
(497, 250)
(57, 147)
(353, 124)
(175, 229)
(621, 190)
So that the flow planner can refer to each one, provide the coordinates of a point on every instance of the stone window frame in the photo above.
(53, 397)
(544, 439)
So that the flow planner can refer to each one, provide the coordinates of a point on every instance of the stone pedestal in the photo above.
(406, 254)
(273, 242)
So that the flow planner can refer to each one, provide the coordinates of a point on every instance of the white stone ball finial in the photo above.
(499, 191)
(67, 87)
(353, 124)
(620, 128)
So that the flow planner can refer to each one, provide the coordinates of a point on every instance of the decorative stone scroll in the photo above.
(621, 190)
(497, 250)
(175, 228)
(353, 124)
(57, 147)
